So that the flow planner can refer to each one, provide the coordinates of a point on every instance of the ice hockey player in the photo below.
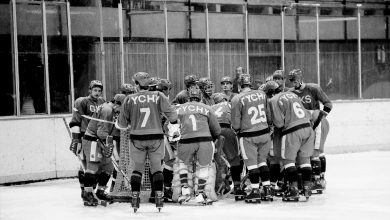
(98, 145)
(207, 88)
(222, 109)
(182, 97)
(199, 128)
(275, 160)
(250, 121)
(165, 86)
(78, 125)
(321, 133)
(311, 96)
(128, 89)
(289, 114)
(142, 112)
(227, 86)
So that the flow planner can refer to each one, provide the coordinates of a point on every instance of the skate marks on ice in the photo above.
(357, 188)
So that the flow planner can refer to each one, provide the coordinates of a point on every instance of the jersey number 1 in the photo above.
(193, 122)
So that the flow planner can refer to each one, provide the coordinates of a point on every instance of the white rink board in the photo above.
(36, 148)
(358, 188)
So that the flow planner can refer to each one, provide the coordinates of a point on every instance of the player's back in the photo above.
(144, 112)
(251, 107)
(288, 111)
(222, 111)
(194, 120)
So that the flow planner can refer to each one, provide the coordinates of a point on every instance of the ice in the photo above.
(358, 188)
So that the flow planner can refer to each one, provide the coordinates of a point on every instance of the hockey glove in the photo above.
(173, 132)
(108, 148)
(75, 145)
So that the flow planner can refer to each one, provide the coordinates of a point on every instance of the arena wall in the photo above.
(36, 148)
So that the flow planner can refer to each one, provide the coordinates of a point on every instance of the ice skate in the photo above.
(306, 191)
(101, 194)
(317, 186)
(254, 196)
(152, 197)
(83, 195)
(239, 194)
(280, 188)
(159, 200)
(185, 195)
(135, 200)
(291, 194)
(168, 194)
(202, 199)
(90, 200)
(267, 193)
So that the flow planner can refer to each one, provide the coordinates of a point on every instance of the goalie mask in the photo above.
(194, 93)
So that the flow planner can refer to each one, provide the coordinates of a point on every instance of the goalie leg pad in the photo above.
(180, 168)
(209, 189)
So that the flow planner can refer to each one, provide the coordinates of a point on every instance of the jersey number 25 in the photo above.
(258, 114)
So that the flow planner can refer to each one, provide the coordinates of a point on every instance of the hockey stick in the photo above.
(100, 202)
(96, 119)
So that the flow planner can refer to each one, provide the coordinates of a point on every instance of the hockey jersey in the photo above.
(249, 112)
(223, 112)
(197, 122)
(311, 95)
(84, 106)
(142, 111)
(287, 111)
(181, 98)
(103, 129)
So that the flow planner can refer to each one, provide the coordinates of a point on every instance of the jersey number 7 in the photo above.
(146, 117)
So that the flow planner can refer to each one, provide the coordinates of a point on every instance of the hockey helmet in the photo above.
(295, 74)
(127, 88)
(220, 97)
(95, 83)
(278, 74)
(119, 98)
(142, 78)
(227, 79)
(270, 87)
(245, 79)
(190, 80)
(164, 84)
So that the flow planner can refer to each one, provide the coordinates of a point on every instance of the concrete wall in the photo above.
(36, 148)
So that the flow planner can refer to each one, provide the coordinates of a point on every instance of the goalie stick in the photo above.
(100, 202)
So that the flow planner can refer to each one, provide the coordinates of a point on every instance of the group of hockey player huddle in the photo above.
(256, 144)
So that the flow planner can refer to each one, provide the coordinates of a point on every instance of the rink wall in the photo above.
(36, 147)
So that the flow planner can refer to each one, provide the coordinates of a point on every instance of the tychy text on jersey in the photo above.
(252, 97)
(193, 108)
(145, 98)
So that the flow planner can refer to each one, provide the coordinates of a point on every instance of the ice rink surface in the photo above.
(358, 188)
